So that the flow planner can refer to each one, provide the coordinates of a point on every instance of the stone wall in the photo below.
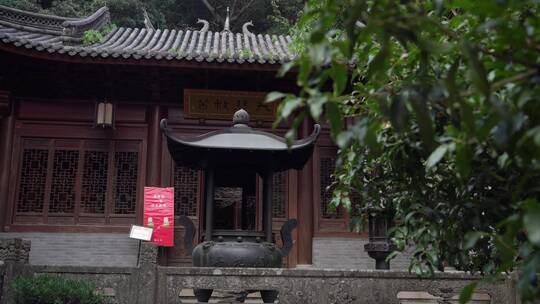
(106, 249)
(79, 249)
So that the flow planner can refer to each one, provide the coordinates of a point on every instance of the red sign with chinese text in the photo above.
(159, 214)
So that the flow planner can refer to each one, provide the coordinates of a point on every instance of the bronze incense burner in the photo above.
(229, 151)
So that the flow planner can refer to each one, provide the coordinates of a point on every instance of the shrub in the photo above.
(91, 37)
(46, 289)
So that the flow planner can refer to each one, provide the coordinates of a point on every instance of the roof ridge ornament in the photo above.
(245, 29)
(241, 118)
(147, 22)
(226, 26)
(205, 23)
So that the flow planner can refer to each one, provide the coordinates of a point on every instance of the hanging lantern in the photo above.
(104, 114)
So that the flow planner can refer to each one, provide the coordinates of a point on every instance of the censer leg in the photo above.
(269, 296)
(203, 295)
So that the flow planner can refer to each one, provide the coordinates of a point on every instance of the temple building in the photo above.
(80, 139)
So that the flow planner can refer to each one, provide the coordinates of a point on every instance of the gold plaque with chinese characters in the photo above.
(214, 104)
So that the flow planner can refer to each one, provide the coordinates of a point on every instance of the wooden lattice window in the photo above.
(94, 181)
(125, 182)
(279, 195)
(186, 187)
(327, 166)
(62, 194)
(33, 175)
(78, 177)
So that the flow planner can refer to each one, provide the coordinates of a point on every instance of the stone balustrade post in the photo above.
(148, 254)
(15, 250)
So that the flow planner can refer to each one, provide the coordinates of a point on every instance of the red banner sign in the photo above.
(159, 214)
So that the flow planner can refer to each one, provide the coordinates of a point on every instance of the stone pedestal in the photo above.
(148, 254)
(379, 251)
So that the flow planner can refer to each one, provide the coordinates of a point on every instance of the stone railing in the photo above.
(149, 283)
(153, 284)
(331, 286)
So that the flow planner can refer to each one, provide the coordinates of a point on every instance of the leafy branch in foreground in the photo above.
(444, 100)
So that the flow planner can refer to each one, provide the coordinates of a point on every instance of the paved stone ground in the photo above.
(79, 249)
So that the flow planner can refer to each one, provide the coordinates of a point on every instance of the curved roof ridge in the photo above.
(32, 20)
(34, 14)
(64, 36)
(71, 29)
(77, 27)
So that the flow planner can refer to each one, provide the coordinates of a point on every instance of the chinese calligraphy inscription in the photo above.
(215, 104)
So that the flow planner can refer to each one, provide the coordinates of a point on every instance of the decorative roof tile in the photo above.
(61, 35)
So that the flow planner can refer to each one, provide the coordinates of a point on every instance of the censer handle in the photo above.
(286, 237)
(189, 234)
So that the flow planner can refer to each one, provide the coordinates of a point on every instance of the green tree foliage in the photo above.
(28, 5)
(435, 107)
(284, 14)
(272, 16)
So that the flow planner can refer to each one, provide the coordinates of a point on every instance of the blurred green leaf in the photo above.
(476, 69)
(289, 105)
(273, 96)
(333, 115)
(466, 293)
(531, 220)
(424, 120)
(463, 160)
(436, 156)
(285, 68)
(471, 238)
(305, 68)
(398, 113)
(376, 66)
(316, 104)
(339, 77)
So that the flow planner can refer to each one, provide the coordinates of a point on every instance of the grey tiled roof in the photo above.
(60, 35)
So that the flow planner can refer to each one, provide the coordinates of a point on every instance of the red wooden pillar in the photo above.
(153, 172)
(305, 205)
(7, 124)
(292, 193)
(153, 165)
